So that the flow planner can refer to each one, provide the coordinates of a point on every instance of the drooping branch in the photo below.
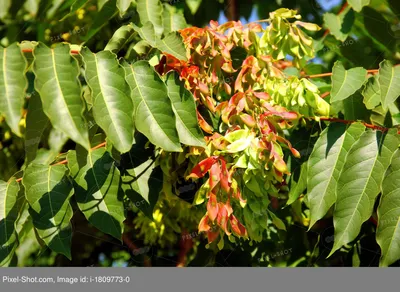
(232, 9)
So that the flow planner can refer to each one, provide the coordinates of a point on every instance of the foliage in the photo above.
(169, 132)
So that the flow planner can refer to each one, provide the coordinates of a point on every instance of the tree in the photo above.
(154, 142)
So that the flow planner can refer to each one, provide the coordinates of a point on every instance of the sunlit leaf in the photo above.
(358, 5)
(112, 105)
(372, 92)
(172, 43)
(346, 82)
(13, 84)
(184, 108)
(388, 231)
(56, 80)
(151, 10)
(48, 190)
(360, 183)
(389, 81)
(96, 184)
(326, 164)
(154, 116)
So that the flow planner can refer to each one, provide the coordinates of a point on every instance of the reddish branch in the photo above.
(73, 52)
(129, 243)
(185, 244)
(370, 126)
(371, 71)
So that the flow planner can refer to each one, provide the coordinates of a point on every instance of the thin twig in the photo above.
(371, 71)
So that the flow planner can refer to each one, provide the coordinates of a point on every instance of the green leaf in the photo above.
(395, 114)
(339, 25)
(358, 5)
(171, 44)
(74, 7)
(96, 184)
(48, 190)
(276, 221)
(100, 4)
(184, 109)
(108, 11)
(326, 164)
(173, 19)
(379, 29)
(346, 82)
(120, 38)
(297, 188)
(388, 231)
(123, 6)
(372, 92)
(13, 84)
(354, 108)
(36, 123)
(9, 210)
(32, 6)
(56, 80)
(112, 105)
(151, 10)
(142, 180)
(389, 81)
(154, 116)
(360, 182)
(193, 5)
(4, 11)
(395, 6)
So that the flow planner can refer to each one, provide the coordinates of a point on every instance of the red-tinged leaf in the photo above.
(226, 25)
(203, 88)
(256, 27)
(214, 77)
(192, 71)
(280, 165)
(204, 125)
(212, 235)
(281, 112)
(227, 88)
(294, 151)
(227, 113)
(228, 207)
(248, 120)
(238, 195)
(227, 67)
(278, 175)
(262, 95)
(212, 207)
(242, 104)
(225, 177)
(203, 225)
(225, 52)
(222, 218)
(215, 175)
(239, 81)
(203, 167)
(208, 102)
(214, 24)
(221, 106)
(236, 98)
(237, 227)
